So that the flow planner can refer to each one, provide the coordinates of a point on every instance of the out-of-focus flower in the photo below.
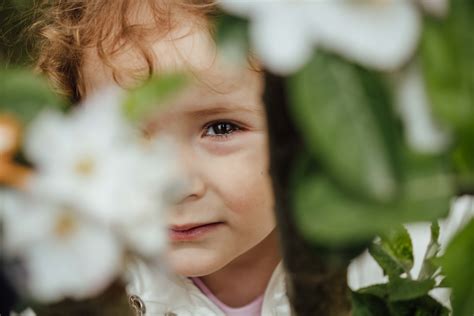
(80, 158)
(157, 175)
(376, 34)
(64, 254)
(95, 162)
(421, 131)
(98, 193)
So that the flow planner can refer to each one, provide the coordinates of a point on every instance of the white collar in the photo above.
(165, 294)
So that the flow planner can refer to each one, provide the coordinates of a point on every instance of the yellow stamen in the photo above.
(85, 166)
(65, 225)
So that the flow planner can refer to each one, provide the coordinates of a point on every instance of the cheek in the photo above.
(254, 194)
(244, 183)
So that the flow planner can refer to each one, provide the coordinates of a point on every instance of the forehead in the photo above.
(189, 47)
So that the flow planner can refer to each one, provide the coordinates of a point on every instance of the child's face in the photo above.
(220, 130)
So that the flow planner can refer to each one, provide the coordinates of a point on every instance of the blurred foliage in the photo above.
(25, 94)
(352, 133)
(447, 52)
(331, 217)
(458, 266)
(142, 101)
(357, 178)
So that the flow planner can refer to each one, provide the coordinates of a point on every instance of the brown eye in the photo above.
(221, 129)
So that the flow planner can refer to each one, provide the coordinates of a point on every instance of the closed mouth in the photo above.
(190, 232)
(188, 227)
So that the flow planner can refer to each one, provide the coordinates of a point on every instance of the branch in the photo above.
(314, 286)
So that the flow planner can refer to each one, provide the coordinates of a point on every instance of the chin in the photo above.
(194, 262)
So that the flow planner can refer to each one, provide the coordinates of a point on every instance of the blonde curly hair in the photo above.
(66, 28)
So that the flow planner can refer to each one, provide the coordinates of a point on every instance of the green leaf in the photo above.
(368, 305)
(394, 252)
(232, 38)
(422, 306)
(144, 100)
(24, 94)
(458, 266)
(327, 215)
(434, 229)
(401, 289)
(389, 265)
(379, 290)
(373, 301)
(397, 243)
(344, 115)
(429, 266)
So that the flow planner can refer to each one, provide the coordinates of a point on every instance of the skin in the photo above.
(219, 128)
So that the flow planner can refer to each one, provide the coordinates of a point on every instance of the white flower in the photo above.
(95, 162)
(64, 254)
(376, 34)
(421, 131)
(79, 158)
(157, 175)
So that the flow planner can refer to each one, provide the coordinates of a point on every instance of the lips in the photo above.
(187, 226)
(190, 232)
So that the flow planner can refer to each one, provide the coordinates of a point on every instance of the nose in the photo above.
(194, 186)
(193, 189)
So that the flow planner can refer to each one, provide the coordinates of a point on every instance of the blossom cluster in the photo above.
(96, 194)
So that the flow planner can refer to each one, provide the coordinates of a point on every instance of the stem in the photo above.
(314, 286)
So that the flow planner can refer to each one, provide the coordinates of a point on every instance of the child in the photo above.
(224, 245)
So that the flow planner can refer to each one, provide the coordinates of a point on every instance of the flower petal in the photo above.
(421, 132)
(377, 35)
(280, 40)
(24, 220)
(42, 135)
(146, 237)
(79, 267)
(242, 8)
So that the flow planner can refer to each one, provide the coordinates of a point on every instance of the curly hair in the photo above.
(68, 27)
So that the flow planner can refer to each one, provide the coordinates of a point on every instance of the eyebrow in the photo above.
(208, 109)
(223, 108)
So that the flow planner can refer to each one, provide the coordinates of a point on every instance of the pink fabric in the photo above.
(252, 309)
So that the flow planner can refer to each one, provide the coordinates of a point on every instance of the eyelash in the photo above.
(234, 127)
